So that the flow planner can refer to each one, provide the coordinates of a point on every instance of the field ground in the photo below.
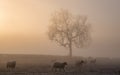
(42, 65)
(58, 73)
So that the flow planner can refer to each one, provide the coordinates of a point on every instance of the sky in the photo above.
(24, 25)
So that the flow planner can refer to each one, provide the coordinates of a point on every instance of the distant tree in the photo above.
(69, 30)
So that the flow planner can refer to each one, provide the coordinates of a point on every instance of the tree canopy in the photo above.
(69, 30)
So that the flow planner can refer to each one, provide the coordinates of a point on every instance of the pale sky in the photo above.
(24, 24)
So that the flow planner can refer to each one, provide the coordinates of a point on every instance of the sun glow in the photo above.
(2, 17)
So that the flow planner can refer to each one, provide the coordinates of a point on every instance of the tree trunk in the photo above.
(70, 49)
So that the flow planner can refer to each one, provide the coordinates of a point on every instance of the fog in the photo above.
(24, 25)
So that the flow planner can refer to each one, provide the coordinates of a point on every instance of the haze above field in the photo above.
(24, 24)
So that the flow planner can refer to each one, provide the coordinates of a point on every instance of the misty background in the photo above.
(24, 25)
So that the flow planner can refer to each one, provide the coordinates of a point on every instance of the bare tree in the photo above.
(69, 30)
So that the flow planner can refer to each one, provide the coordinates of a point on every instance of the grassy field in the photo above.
(43, 63)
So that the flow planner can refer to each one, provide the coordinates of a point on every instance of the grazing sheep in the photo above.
(11, 65)
(60, 66)
(79, 64)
